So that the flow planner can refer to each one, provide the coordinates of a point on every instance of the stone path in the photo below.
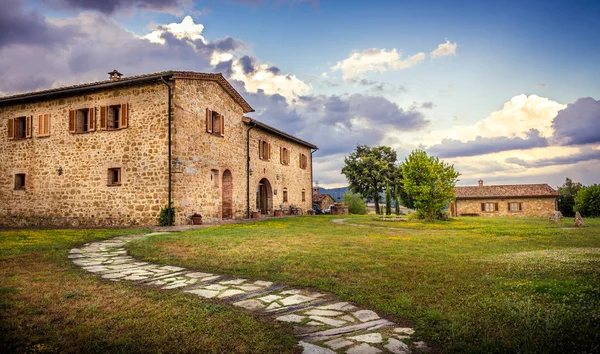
(322, 323)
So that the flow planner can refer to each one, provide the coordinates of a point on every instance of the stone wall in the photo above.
(535, 207)
(80, 195)
(213, 165)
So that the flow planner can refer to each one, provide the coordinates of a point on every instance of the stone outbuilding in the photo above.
(538, 200)
(323, 200)
(115, 152)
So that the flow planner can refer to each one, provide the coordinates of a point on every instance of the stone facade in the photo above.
(212, 176)
(533, 207)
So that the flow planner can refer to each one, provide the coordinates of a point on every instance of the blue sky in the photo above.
(507, 91)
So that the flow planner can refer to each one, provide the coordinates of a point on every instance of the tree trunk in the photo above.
(376, 204)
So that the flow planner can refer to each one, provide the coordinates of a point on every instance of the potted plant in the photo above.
(256, 214)
(197, 218)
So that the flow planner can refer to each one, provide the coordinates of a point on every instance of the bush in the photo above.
(166, 216)
(587, 201)
(356, 203)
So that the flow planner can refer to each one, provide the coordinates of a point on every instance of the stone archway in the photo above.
(227, 195)
(264, 197)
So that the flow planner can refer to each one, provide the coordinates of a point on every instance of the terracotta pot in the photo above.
(278, 212)
(197, 220)
(256, 215)
(310, 212)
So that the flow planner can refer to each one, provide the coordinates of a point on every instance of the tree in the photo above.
(396, 197)
(355, 203)
(587, 201)
(388, 200)
(369, 169)
(567, 192)
(429, 181)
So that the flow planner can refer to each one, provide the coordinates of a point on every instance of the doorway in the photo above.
(264, 197)
(227, 195)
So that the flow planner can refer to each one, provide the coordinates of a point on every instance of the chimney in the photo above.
(480, 183)
(114, 75)
(315, 190)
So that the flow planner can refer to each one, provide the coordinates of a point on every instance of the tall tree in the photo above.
(429, 181)
(396, 199)
(587, 201)
(567, 192)
(388, 199)
(368, 170)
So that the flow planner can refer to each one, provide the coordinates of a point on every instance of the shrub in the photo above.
(587, 201)
(356, 203)
(166, 216)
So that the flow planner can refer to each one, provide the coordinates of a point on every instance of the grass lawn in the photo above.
(48, 305)
(492, 285)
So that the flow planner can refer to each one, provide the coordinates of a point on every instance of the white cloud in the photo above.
(444, 49)
(187, 29)
(373, 59)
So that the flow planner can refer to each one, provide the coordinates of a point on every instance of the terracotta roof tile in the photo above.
(504, 191)
(276, 131)
(317, 198)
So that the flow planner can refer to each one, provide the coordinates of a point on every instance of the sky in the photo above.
(506, 91)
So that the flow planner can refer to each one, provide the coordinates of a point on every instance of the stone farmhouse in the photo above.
(115, 152)
(538, 200)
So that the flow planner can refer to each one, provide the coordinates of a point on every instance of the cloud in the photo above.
(379, 60)
(578, 123)
(587, 154)
(482, 146)
(111, 6)
(187, 29)
(444, 49)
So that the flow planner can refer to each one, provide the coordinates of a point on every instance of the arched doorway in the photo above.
(227, 195)
(264, 197)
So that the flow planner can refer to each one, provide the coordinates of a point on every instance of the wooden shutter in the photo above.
(11, 128)
(91, 119)
(281, 154)
(47, 123)
(520, 206)
(103, 117)
(269, 156)
(41, 125)
(260, 149)
(222, 125)
(482, 206)
(495, 206)
(124, 117)
(508, 207)
(72, 121)
(209, 125)
(28, 123)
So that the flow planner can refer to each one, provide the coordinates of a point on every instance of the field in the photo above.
(48, 305)
(468, 285)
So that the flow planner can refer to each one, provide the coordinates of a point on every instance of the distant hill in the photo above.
(336, 193)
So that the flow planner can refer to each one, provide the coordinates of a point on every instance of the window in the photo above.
(264, 150)
(303, 195)
(489, 207)
(19, 181)
(284, 156)
(214, 178)
(215, 123)
(114, 177)
(114, 117)
(514, 206)
(302, 161)
(19, 128)
(82, 120)
(285, 195)
(44, 125)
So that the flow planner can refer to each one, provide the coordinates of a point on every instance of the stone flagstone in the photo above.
(308, 311)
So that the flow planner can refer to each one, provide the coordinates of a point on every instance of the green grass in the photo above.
(48, 305)
(492, 285)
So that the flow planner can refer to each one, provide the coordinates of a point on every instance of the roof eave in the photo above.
(509, 196)
(248, 120)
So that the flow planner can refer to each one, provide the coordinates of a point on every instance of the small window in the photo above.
(303, 161)
(284, 154)
(303, 195)
(19, 128)
(44, 125)
(215, 123)
(214, 178)
(285, 195)
(19, 181)
(114, 176)
(489, 207)
(82, 120)
(264, 150)
(114, 117)
(514, 206)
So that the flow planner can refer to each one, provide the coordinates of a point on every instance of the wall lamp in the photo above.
(278, 176)
(59, 170)
(250, 171)
(176, 163)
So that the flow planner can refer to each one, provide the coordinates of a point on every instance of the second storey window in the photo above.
(215, 123)
(82, 120)
(44, 125)
(19, 128)
(284, 155)
(264, 150)
(489, 207)
(114, 117)
(114, 177)
(20, 181)
(303, 161)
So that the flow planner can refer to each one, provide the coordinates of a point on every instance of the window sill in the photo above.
(114, 185)
(43, 136)
(20, 189)
(112, 129)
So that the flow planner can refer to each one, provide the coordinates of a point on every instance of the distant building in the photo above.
(323, 200)
(537, 200)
